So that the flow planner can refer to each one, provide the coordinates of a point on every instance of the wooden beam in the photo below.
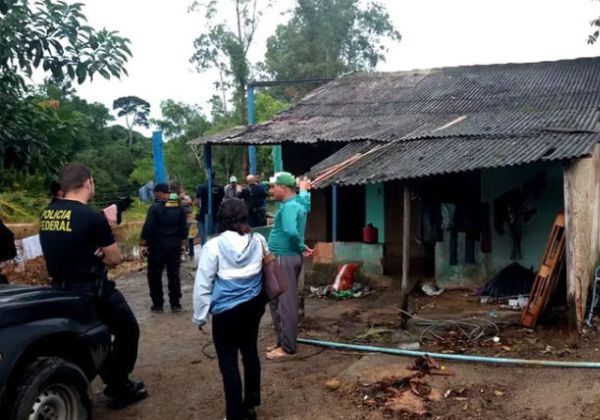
(570, 251)
(405, 254)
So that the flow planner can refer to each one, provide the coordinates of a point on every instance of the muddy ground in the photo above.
(177, 364)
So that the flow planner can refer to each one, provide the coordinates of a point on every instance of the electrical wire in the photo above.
(471, 329)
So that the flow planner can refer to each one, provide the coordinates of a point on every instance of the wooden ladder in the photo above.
(547, 276)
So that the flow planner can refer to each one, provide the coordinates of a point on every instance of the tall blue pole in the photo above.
(160, 171)
(209, 184)
(334, 213)
(251, 148)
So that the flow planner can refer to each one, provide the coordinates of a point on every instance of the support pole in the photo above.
(209, 183)
(405, 254)
(334, 213)
(160, 172)
(252, 148)
(277, 158)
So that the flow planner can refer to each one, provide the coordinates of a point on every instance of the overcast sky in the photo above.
(435, 33)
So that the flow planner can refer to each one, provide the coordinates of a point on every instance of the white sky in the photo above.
(435, 33)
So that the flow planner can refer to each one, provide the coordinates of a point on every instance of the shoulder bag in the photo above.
(273, 281)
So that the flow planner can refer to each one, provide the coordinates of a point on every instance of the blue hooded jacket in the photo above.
(229, 273)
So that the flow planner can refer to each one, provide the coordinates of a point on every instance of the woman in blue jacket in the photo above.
(228, 285)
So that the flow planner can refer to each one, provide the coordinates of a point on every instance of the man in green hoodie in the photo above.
(286, 241)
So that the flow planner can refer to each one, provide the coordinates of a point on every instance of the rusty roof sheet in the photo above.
(443, 155)
(457, 101)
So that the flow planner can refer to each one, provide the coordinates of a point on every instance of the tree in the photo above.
(135, 110)
(593, 37)
(325, 38)
(225, 48)
(181, 119)
(52, 36)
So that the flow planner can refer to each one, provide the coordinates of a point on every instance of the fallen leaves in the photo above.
(404, 394)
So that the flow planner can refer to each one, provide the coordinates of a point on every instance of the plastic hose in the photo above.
(457, 357)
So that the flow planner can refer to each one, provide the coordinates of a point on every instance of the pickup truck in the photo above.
(51, 347)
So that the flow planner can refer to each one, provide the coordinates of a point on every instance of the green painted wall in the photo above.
(495, 182)
(535, 233)
(375, 209)
(369, 256)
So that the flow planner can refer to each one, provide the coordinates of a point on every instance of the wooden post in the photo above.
(572, 284)
(581, 185)
(405, 254)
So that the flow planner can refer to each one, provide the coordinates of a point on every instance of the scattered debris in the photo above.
(372, 332)
(431, 289)
(405, 394)
(512, 280)
(358, 290)
(31, 272)
(333, 384)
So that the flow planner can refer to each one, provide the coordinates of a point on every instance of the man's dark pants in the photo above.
(284, 309)
(237, 330)
(113, 311)
(158, 258)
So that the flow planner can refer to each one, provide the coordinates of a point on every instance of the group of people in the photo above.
(254, 195)
(228, 285)
(79, 246)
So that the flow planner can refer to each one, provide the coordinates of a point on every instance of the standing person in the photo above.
(8, 250)
(232, 190)
(229, 285)
(78, 245)
(56, 193)
(286, 241)
(164, 235)
(186, 203)
(255, 195)
(202, 202)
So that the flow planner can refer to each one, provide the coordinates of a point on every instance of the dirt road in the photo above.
(177, 364)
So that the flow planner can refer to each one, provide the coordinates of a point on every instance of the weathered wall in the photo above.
(494, 183)
(581, 189)
(375, 209)
(368, 256)
(318, 222)
(393, 214)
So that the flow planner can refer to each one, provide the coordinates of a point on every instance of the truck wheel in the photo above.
(51, 389)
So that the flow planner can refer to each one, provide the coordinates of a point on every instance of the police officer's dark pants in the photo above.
(114, 311)
(158, 258)
(237, 330)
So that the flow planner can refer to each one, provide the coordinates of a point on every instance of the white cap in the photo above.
(233, 179)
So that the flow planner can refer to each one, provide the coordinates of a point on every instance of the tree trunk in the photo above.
(243, 108)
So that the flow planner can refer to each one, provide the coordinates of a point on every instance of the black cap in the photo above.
(161, 187)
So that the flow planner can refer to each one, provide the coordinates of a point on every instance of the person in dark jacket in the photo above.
(163, 236)
(8, 251)
(255, 195)
(205, 231)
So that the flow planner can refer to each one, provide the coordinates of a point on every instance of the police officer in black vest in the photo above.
(78, 245)
(164, 235)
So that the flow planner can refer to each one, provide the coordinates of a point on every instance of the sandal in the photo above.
(280, 354)
(273, 347)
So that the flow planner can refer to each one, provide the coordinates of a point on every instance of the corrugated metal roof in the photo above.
(341, 155)
(442, 155)
(456, 101)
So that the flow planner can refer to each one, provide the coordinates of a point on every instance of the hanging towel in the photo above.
(31, 247)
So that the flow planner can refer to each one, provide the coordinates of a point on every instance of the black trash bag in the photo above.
(512, 280)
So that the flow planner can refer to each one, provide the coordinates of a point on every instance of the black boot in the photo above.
(125, 393)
